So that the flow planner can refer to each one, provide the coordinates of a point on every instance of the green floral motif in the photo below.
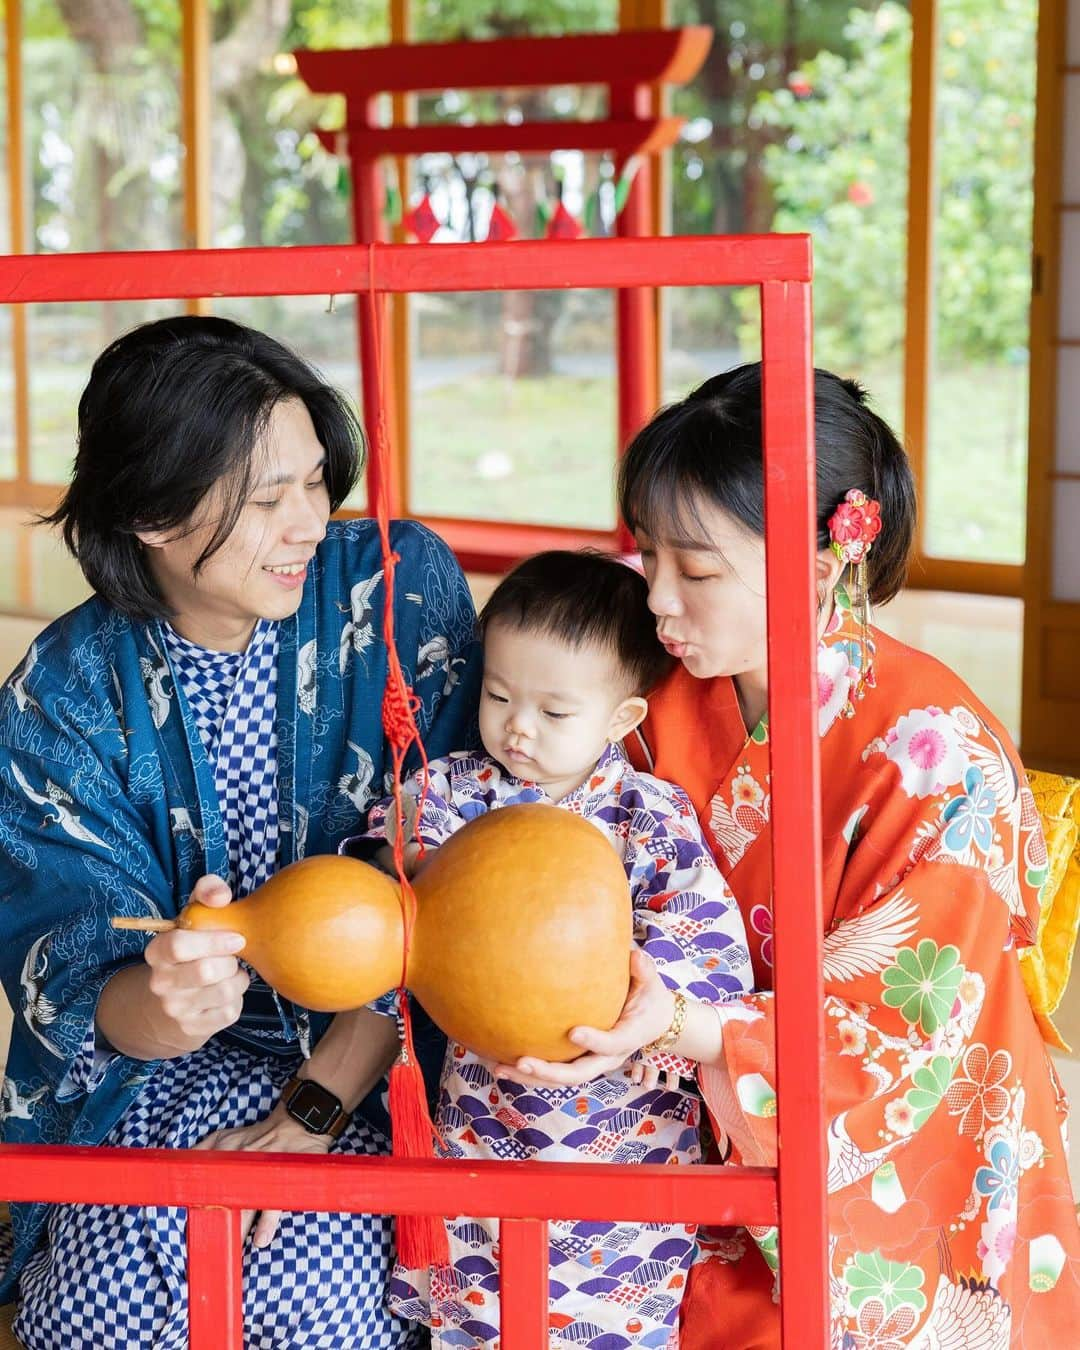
(923, 984)
(870, 1275)
(760, 733)
(931, 1084)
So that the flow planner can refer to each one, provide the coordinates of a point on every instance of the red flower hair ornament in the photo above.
(854, 526)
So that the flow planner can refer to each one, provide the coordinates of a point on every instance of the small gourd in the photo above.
(523, 930)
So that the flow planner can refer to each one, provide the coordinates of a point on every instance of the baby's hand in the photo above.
(646, 1014)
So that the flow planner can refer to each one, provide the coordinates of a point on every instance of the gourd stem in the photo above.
(143, 925)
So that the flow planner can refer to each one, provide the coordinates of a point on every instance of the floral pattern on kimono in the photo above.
(108, 804)
(612, 1284)
(951, 1217)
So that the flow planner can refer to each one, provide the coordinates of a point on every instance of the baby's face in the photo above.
(548, 710)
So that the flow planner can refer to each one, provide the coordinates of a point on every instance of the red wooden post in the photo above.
(523, 1284)
(635, 308)
(215, 1300)
(369, 227)
(790, 538)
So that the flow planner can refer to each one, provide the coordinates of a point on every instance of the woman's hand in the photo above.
(196, 984)
(646, 1015)
(278, 1133)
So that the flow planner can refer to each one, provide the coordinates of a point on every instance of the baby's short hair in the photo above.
(579, 598)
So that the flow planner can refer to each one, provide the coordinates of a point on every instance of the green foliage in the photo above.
(447, 20)
(838, 168)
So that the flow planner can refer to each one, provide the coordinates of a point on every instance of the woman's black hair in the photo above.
(584, 598)
(171, 409)
(707, 448)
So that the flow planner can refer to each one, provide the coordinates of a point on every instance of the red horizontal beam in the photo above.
(671, 56)
(289, 1181)
(497, 545)
(625, 137)
(342, 269)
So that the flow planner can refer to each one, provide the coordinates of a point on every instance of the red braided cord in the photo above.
(400, 703)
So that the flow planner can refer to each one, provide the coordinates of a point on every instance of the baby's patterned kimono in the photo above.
(951, 1219)
(612, 1284)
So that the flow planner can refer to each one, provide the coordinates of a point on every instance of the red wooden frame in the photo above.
(215, 1187)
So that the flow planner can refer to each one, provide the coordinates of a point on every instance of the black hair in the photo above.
(584, 598)
(171, 409)
(708, 448)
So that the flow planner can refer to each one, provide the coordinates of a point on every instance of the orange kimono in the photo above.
(951, 1218)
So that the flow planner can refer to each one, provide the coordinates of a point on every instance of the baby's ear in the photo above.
(630, 713)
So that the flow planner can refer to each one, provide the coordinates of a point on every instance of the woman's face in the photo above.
(708, 595)
(260, 570)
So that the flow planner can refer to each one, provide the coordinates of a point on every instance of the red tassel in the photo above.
(421, 1238)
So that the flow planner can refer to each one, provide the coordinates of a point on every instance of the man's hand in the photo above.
(189, 987)
(278, 1133)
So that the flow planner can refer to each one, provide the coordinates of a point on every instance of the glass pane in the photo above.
(454, 20)
(513, 396)
(798, 122)
(513, 407)
(984, 142)
(7, 372)
(273, 183)
(104, 155)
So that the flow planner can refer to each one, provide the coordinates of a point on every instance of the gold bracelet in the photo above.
(670, 1037)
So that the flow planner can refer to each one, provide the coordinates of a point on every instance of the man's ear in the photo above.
(154, 538)
(629, 714)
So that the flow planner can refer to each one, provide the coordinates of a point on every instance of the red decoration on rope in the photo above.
(421, 1238)
(563, 225)
(501, 225)
(422, 221)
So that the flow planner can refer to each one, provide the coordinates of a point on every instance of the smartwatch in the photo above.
(315, 1107)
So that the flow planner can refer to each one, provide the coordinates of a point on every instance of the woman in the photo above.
(210, 715)
(951, 1220)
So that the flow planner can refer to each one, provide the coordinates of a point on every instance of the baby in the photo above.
(570, 651)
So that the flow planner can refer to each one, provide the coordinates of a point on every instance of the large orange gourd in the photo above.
(523, 931)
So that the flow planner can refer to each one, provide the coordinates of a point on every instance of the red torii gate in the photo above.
(216, 1187)
(633, 65)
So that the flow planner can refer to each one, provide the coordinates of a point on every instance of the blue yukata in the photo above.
(612, 1285)
(132, 763)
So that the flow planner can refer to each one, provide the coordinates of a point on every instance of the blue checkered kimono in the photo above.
(108, 806)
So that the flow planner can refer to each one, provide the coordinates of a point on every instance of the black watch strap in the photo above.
(315, 1107)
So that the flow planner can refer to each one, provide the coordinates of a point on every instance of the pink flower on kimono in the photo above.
(996, 1242)
(836, 676)
(928, 749)
(976, 1094)
(761, 922)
